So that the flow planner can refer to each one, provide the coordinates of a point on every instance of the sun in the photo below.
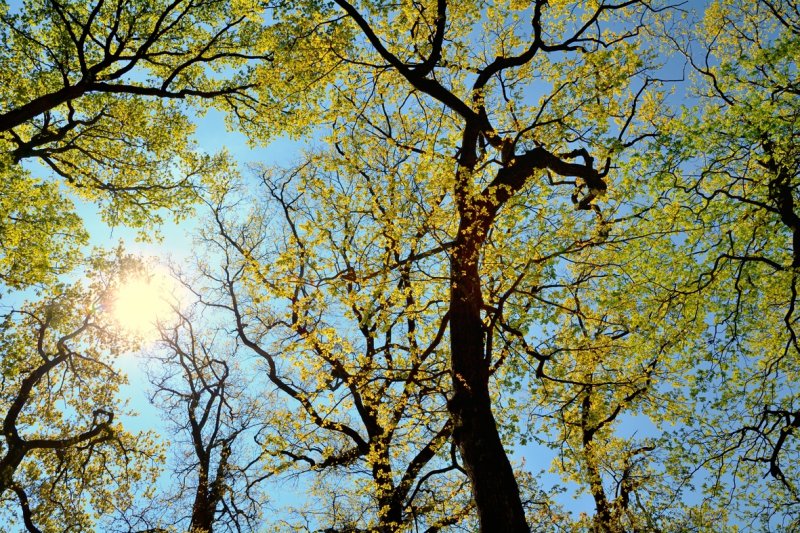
(141, 303)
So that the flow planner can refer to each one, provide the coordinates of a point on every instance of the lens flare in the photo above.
(141, 303)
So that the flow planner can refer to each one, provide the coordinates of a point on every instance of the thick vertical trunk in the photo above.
(604, 521)
(9, 465)
(203, 508)
(390, 511)
(494, 487)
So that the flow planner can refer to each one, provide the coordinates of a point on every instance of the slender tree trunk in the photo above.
(494, 487)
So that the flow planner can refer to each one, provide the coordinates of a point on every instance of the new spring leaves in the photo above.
(523, 237)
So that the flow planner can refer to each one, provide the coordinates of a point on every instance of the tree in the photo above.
(414, 77)
(736, 188)
(346, 319)
(610, 379)
(93, 92)
(202, 389)
(502, 237)
(66, 459)
(95, 107)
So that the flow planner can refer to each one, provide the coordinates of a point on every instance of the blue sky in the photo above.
(176, 245)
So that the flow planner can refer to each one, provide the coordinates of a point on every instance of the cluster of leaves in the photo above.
(94, 110)
(507, 235)
(100, 106)
(66, 458)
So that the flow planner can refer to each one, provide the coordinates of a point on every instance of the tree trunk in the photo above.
(494, 487)
(203, 508)
(9, 465)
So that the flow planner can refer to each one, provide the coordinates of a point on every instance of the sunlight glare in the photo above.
(141, 303)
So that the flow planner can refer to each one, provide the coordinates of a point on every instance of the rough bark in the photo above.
(495, 489)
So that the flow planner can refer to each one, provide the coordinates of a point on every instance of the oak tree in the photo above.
(509, 113)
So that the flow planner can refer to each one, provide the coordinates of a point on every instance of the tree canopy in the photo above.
(531, 250)
(94, 93)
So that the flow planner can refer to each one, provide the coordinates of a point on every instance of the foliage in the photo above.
(94, 93)
(66, 458)
(505, 238)
(39, 236)
(735, 196)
